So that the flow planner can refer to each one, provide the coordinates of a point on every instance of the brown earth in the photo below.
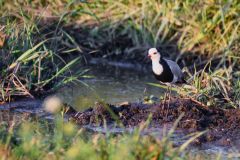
(223, 125)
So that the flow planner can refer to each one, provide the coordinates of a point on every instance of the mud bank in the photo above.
(223, 125)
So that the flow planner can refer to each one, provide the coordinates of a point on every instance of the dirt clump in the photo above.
(223, 125)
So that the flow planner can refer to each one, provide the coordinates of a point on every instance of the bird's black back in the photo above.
(166, 75)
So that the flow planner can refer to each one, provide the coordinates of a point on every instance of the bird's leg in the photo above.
(169, 98)
(170, 93)
(164, 100)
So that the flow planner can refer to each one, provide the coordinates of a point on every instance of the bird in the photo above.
(166, 71)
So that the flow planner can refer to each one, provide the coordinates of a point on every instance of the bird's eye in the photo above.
(155, 53)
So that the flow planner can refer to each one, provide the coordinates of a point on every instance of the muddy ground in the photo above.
(223, 125)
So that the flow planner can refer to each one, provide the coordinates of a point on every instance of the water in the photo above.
(113, 85)
(110, 84)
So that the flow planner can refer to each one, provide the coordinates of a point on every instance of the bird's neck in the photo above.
(157, 67)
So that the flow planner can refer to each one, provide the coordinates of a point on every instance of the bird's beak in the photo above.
(149, 56)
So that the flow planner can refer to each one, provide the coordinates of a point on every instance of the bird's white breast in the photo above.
(157, 68)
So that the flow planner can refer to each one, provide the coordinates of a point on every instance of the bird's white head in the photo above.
(154, 54)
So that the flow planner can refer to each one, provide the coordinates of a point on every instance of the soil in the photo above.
(223, 125)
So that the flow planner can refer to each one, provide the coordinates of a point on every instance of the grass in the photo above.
(212, 30)
(63, 140)
(209, 30)
(41, 41)
(27, 53)
(123, 29)
(212, 88)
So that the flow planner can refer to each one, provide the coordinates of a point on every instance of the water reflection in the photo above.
(110, 84)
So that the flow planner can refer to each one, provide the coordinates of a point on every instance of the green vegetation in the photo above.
(66, 141)
(40, 41)
(28, 53)
(41, 34)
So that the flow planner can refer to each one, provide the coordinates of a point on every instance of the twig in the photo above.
(199, 103)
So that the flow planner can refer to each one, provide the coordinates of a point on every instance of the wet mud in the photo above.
(222, 125)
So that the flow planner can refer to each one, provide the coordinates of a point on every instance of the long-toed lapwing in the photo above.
(165, 70)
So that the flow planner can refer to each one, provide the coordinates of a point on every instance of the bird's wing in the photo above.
(176, 70)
